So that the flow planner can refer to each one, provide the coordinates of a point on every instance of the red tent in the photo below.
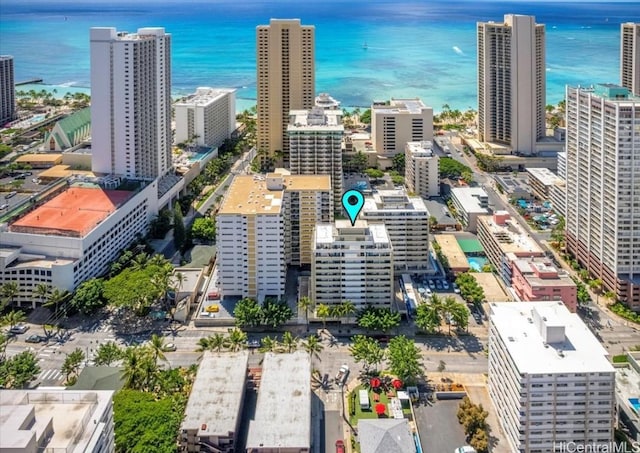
(375, 382)
(397, 384)
(380, 409)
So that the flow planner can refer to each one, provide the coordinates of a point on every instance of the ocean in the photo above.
(365, 49)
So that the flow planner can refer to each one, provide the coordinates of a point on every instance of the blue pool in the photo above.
(476, 262)
(635, 403)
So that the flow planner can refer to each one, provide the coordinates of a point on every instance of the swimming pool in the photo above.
(476, 262)
(635, 403)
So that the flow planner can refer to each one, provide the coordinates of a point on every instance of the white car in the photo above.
(456, 289)
(465, 449)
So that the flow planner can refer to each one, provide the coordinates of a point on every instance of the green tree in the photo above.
(470, 290)
(427, 318)
(398, 163)
(365, 117)
(237, 340)
(157, 345)
(88, 297)
(450, 168)
(179, 232)
(57, 297)
(467, 176)
(8, 291)
(18, 370)
(433, 223)
(140, 369)
(404, 359)
(275, 313)
(358, 162)
(289, 342)
(306, 305)
(367, 350)
(4, 342)
(247, 313)
(323, 311)
(71, 365)
(107, 353)
(204, 228)
(378, 319)
(313, 346)
(268, 344)
(42, 291)
(13, 318)
(374, 173)
(133, 289)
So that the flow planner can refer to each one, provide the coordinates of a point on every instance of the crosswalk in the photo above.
(49, 350)
(50, 374)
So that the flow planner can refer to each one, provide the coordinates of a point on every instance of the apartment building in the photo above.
(469, 203)
(504, 241)
(541, 181)
(265, 223)
(206, 118)
(285, 79)
(315, 145)
(352, 263)
(7, 90)
(630, 57)
(406, 220)
(421, 172)
(537, 279)
(398, 121)
(512, 82)
(56, 421)
(550, 380)
(131, 102)
(603, 186)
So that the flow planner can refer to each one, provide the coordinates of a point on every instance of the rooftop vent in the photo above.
(560, 352)
(530, 320)
(512, 339)
(546, 345)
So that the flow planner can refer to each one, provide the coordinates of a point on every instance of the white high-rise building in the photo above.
(352, 263)
(315, 145)
(512, 82)
(421, 172)
(549, 378)
(603, 186)
(7, 90)
(208, 117)
(630, 57)
(406, 220)
(131, 102)
(398, 121)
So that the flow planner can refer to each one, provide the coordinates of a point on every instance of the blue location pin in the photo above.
(352, 202)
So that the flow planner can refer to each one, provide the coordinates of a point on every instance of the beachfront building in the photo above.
(71, 421)
(550, 380)
(505, 241)
(285, 79)
(131, 102)
(537, 279)
(630, 57)
(315, 146)
(512, 83)
(421, 172)
(282, 421)
(265, 223)
(206, 118)
(213, 413)
(406, 220)
(352, 263)
(469, 203)
(541, 181)
(7, 90)
(603, 187)
(69, 131)
(326, 102)
(72, 237)
(398, 121)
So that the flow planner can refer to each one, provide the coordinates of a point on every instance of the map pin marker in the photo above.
(352, 202)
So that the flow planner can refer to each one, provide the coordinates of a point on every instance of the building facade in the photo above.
(131, 102)
(406, 220)
(603, 186)
(512, 82)
(352, 263)
(550, 380)
(541, 181)
(421, 172)
(285, 79)
(208, 117)
(70, 131)
(398, 121)
(470, 202)
(315, 145)
(630, 57)
(537, 279)
(7, 90)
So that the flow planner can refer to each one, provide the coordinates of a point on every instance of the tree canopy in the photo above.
(204, 228)
(379, 319)
(89, 296)
(451, 168)
(18, 370)
(404, 359)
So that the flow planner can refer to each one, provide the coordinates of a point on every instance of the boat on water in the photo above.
(365, 46)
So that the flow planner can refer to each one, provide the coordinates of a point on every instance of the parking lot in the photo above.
(23, 186)
(438, 426)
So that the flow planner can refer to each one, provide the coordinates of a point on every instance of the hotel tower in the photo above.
(630, 57)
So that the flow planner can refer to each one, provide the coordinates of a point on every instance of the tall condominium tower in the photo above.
(286, 79)
(630, 57)
(603, 186)
(511, 82)
(7, 90)
(315, 146)
(131, 102)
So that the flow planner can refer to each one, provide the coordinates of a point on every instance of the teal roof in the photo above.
(470, 245)
(75, 122)
(99, 378)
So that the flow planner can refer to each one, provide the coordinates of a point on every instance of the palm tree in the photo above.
(305, 303)
(449, 306)
(289, 342)
(347, 308)
(323, 312)
(9, 290)
(72, 363)
(42, 291)
(237, 340)
(204, 344)
(133, 373)
(178, 280)
(268, 344)
(313, 346)
(55, 298)
(13, 318)
(140, 261)
(460, 316)
(156, 345)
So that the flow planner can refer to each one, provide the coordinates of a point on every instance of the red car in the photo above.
(339, 446)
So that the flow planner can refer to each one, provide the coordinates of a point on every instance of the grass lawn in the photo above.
(371, 412)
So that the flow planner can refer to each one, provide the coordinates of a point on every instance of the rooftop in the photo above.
(205, 96)
(315, 119)
(544, 175)
(610, 92)
(342, 231)
(422, 149)
(544, 337)
(541, 272)
(216, 398)
(470, 199)
(408, 106)
(43, 157)
(385, 436)
(75, 122)
(393, 201)
(283, 410)
(75, 212)
(510, 236)
(452, 250)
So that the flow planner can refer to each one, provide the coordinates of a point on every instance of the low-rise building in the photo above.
(537, 279)
(550, 380)
(457, 262)
(407, 223)
(398, 121)
(422, 175)
(558, 196)
(213, 413)
(69, 131)
(470, 202)
(385, 436)
(282, 421)
(504, 241)
(44, 160)
(628, 395)
(33, 421)
(352, 263)
(541, 181)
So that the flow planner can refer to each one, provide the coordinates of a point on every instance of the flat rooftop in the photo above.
(510, 237)
(452, 250)
(218, 392)
(544, 175)
(409, 106)
(394, 201)
(491, 286)
(74, 212)
(205, 96)
(315, 119)
(422, 149)
(577, 352)
(533, 266)
(342, 231)
(283, 410)
(43, 157)
(469, 198)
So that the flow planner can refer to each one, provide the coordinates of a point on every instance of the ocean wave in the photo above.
(457, 50)
(68, 84)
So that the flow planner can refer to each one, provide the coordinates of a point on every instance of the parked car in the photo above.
(445, 284)
(11, 194)
(3, 207)
(438, 284)
(432, 285)
(465, 449)
(19, 328)
(340, 446)
(343, 372)
(253, 344)
(456, 289)
(169, 347)
(34, 339)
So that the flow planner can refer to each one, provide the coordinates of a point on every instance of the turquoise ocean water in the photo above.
(413, 48)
